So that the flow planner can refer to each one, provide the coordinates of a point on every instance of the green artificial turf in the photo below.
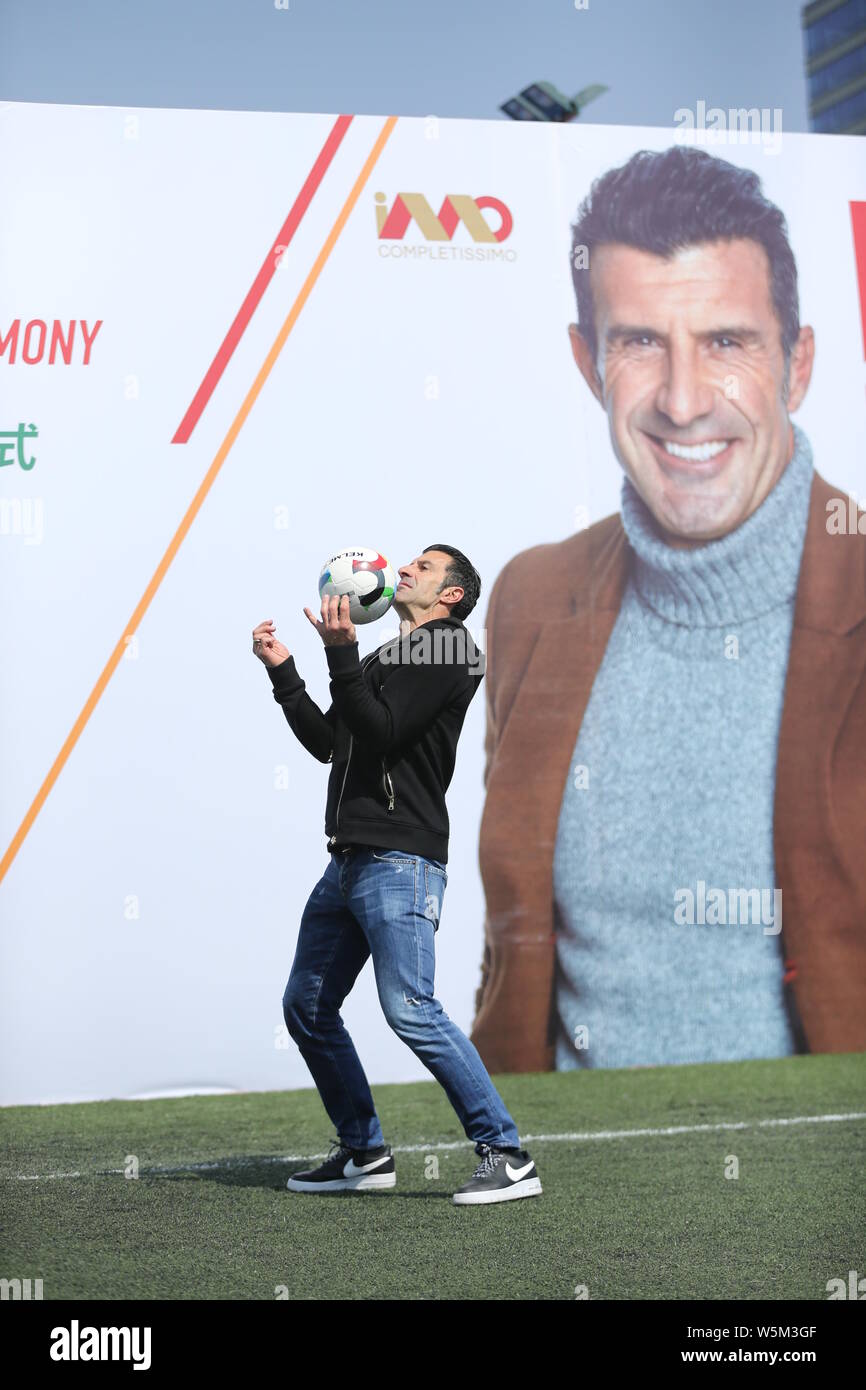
(636, 1217)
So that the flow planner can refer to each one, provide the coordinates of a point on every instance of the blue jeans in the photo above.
(385, 903)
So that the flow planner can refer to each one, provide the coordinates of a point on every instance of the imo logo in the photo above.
(392, 223)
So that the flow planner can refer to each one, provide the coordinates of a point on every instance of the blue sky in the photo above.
(384, 57)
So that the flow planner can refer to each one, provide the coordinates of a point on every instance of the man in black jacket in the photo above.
(391, 736)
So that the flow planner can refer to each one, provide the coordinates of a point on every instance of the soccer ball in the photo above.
(365, 576)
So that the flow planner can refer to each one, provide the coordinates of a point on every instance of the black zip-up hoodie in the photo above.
(391, 734)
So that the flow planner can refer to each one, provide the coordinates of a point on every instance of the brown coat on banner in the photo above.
(545, 643)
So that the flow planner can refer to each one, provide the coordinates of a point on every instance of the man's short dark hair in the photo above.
(664, 202)
(461, 572)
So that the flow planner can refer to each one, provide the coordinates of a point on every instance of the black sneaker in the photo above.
(501, 1176)
(348, 1170)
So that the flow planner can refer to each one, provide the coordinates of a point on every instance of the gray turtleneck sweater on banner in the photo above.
(670, 789)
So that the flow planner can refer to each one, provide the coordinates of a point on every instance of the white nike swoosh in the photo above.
(518, 1173)
(352, 1170)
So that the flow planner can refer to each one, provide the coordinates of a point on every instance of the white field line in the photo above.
(579, 1137)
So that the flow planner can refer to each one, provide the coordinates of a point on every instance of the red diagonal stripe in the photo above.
(858, 223)
(261, 282)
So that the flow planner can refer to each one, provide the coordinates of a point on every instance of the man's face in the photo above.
(691, 376)
(419, 581)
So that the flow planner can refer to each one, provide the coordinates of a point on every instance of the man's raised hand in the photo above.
(335, 627)
(265, 645)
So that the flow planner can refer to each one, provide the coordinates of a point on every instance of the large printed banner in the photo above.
(232, 344)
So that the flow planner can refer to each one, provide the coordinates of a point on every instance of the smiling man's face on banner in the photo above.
(692, 376)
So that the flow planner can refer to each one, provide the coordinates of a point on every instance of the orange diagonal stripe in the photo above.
(203, 490)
